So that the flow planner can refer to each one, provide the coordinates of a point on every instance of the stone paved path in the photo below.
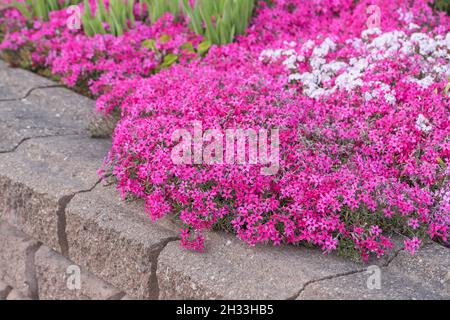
(54, 213)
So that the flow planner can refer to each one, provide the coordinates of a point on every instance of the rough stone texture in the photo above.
(46, 112)
(53, 274)
(115, 240)
(422, 276)
(394, 286)
(40, 177)
(5, 289)
(430, 266)
(16, 83)
(101, 126)
(17, 260)
(16, 295)
(230, 269)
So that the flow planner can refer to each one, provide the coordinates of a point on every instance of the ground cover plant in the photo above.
(358, 91)
(92, 62)
(116, 40)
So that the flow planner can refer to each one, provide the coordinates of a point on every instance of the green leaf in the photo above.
(169, 60)
(441, 162)
(189, 47)
(24, 10)
(165, 38)
(149, 44)
(204, 46)
(447, 88)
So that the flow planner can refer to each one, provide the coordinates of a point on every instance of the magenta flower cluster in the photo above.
(363, 114)
(97, 62)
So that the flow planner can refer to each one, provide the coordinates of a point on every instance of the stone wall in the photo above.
(31, 270)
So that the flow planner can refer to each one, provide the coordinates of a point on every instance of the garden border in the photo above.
(54, 212)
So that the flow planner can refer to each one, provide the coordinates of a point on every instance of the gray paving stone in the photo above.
(46, 112)
(430, 266)
(16, 260)
(394, 286)
(56, 279)
(229, 269)
(15, 82)
(16, 295)
(425, 275)
(115, 240)
(41, 176)
(5, 289)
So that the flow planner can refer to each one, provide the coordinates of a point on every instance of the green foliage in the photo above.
(169, 58)
(41, 8)
(447, 88)
(119, 17)
(443, 5)
(204, 46)
(157, 8)
(219, 20)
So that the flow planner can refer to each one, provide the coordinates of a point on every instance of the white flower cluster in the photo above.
(314, 82)
(380, 89)
(434, 53)
(423, 124)
(407, 16)
(289, 55)
(433, 60)
(367, 33)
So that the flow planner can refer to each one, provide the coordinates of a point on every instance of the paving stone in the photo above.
(15, 83)
(429, 266)
(230, 269)
(41, 176)
(16, 295)
(46, 112)
(422, 276)
(115, 240)
(394, 286)
(5, 289)
(17, 260)
(57, 279)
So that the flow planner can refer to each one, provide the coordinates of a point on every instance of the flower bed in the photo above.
(363, 119)
(93, 64)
